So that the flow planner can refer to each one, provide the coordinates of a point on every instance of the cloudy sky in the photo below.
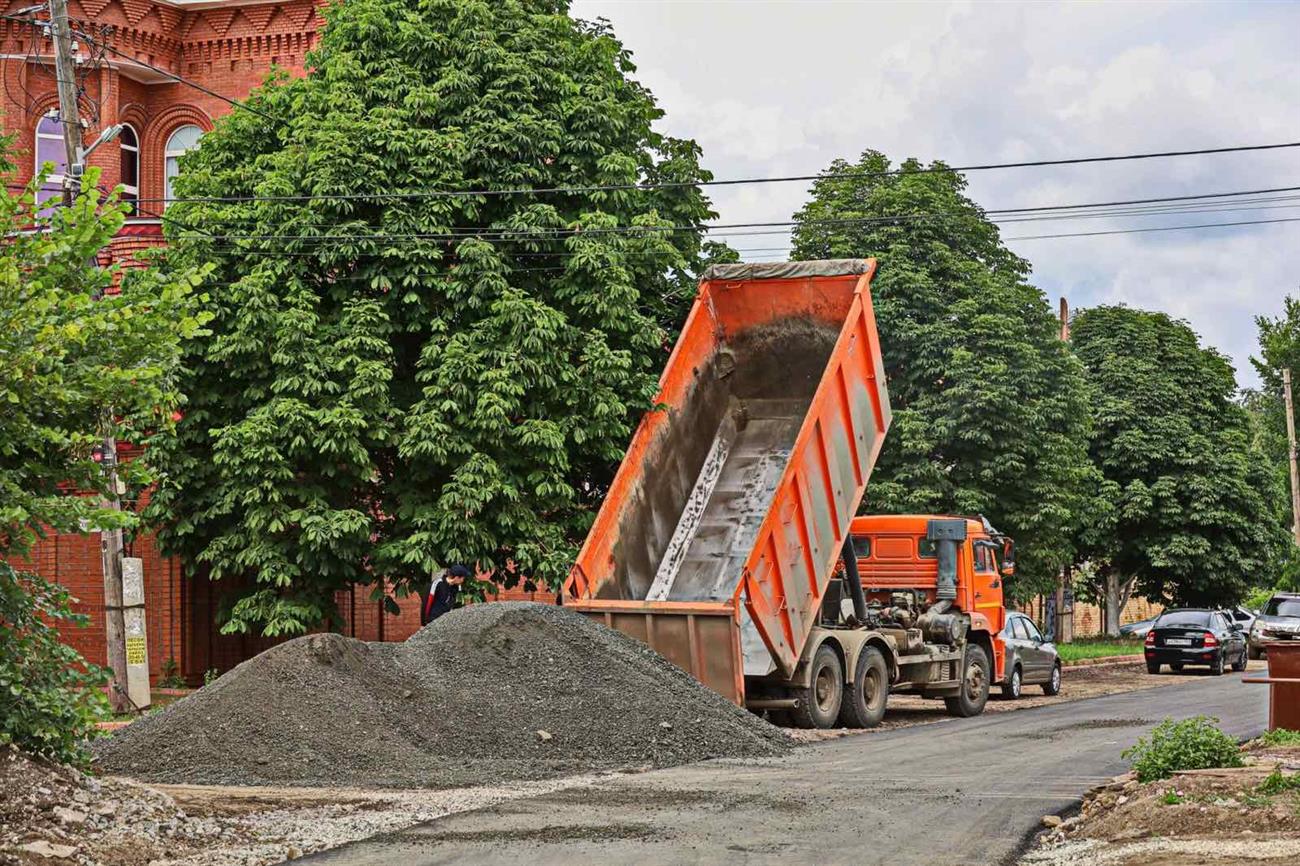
(783, 87)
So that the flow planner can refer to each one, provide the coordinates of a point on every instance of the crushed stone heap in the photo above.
(487, 693)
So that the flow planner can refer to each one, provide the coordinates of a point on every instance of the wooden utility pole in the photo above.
(110, 540)
(1291, 454)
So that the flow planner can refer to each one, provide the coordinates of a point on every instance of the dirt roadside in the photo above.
(1247, 815)
(202, 825)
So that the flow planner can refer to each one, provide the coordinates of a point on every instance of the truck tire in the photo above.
(974, 693)
(864, 703)
(819, 703)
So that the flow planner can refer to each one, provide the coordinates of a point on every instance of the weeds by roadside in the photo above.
(1191, 744)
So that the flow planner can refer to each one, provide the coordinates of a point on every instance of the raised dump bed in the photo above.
(723, 525)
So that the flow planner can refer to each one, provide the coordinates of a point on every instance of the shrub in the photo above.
(1191, 744)
(1280, 737)
(50, 697)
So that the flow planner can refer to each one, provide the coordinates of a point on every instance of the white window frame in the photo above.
(170, 153)
(57, 178)
(133, 191)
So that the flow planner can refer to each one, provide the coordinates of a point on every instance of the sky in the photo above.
(778, 87)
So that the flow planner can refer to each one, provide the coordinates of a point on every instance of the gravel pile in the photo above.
(489, 692)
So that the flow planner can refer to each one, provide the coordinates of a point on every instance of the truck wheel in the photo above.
(864, 703)
(974, 685)
(819, 703)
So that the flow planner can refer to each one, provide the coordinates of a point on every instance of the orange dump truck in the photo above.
(725, 541)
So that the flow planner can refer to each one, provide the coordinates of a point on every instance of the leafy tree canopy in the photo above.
(78, 361)
(1183, 510)
(398, 380)
(989, 408)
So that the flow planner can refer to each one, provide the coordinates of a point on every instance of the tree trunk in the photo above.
(1118, 591)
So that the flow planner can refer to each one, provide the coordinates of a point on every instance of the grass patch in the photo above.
(1078, 650)
(1280, 737)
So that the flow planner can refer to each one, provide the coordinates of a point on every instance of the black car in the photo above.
(1195, 637)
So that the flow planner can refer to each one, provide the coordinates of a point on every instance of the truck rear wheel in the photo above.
(819, 703)
(974, 693)
(864, 702)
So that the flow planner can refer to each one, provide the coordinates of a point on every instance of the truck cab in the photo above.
(898, 561)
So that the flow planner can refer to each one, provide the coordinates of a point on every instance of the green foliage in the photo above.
(990, 415)
(210, 676)
(1181, 509)
(1190, 744)
(423, 380)
(70, 352)
(1279, 344)
(1278, 782)
(50, 698)
(1170, 798)
(1279, 737)
(170, 675)
(79, 363)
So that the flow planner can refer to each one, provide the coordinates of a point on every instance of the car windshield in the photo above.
(1283, 607)
(1183, 617)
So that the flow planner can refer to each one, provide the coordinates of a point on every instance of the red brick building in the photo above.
(228, 48)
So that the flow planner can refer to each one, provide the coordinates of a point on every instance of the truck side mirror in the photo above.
(1008, 557)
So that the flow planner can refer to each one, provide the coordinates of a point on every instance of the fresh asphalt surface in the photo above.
(965, 791)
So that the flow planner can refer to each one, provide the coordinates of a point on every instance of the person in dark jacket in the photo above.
(443, 593)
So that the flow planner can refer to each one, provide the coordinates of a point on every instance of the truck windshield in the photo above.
(1196, 618)
(1283, 607)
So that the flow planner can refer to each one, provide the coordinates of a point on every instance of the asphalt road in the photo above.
(968, 791)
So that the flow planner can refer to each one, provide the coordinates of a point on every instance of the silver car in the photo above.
(1031, 658)
(1279, 620)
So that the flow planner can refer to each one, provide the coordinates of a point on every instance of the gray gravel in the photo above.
(487, 693)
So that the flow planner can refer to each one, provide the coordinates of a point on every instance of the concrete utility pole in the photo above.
(110, 544)
(1291, 454)
(1065, 584)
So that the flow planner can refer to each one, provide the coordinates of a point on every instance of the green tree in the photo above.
(1182, 512)
(1279, 349)
(989, 409)
(400, 380)
(78, 361)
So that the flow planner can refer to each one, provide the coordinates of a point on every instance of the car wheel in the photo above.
(1216, 666)
(1153, 667)
(1012, 687)
(1052, 687)
(819, 704)
(864, 703)
(1255, 654)
(1240, 664)
(974, 689)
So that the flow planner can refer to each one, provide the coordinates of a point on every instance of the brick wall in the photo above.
(1090, 619)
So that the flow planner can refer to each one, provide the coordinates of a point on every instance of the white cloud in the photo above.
(778, 88)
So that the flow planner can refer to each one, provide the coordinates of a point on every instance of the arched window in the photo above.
(181, 142)
(50, 149)
(129, 143)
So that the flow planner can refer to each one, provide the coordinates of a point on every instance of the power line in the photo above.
(540, 234)
(569, 190)
(1156, 229)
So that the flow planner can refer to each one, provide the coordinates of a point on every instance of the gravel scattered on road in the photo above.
(487, 693)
